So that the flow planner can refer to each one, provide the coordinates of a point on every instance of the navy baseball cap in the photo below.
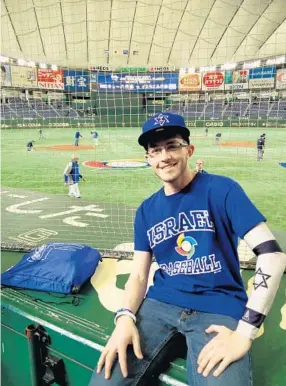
(162, 125)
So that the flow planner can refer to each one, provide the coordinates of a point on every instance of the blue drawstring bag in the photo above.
(53, 267)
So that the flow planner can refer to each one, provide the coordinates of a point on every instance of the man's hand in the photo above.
(226, 347)
(124, 334)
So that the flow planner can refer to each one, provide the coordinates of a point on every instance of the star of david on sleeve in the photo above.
(262, 277)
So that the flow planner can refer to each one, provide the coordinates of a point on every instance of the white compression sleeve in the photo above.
(269, 270)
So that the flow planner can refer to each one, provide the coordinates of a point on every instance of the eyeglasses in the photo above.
(170, 147)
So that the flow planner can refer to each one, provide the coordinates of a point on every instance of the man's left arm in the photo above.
(229, 346)
(270, 266)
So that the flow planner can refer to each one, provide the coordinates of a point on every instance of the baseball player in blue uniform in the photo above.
(72, 177)
(191, 226)
(94, 136)
(76, 138)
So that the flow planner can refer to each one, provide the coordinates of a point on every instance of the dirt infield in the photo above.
(66, 147)
(239, 144)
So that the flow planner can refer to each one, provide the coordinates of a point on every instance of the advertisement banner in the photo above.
(262, 77)
(133, 69)
(213, 80)
(166, 82)
(77, 81)
(161, 68)
(214, 123)
(51, 79)
(190, 82)
(25, 77)
(5, 75)
(281, 79)
(236, 80)
(93, 81)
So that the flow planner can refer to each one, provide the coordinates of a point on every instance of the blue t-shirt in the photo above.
(77, 134)
(193, 235)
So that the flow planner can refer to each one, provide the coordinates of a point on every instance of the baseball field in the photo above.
(36, 208)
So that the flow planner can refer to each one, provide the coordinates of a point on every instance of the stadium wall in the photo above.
(130, 121)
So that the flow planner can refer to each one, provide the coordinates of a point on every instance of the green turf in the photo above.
(42, 171)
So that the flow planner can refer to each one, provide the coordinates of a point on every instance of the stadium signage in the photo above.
(76, 80)
(155, 82)
(281, 79)
(213, 80)
(5, 75)
(100, 68)
(262, 72)
(133, 69)
(51, 79)
(262, 77)
(24, 77)
(234, 87)
(190, 82)
(86, 124)
(162, 69)
(236, 80)
(23, 125)
(58, 124)
(214, 123)
(243, 124)
(191, 124)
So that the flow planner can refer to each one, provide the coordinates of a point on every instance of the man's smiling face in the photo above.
(169, 158)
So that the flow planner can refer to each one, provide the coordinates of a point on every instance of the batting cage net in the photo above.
(79, 78)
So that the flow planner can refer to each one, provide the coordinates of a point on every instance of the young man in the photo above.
(200, 166)
(191, 226)
(72, 176)
(217, 138)
(30, 146)
(94, 136)
(76, 138)
(260, 148)
(41, 134)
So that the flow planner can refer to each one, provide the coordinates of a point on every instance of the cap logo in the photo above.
(161, 119)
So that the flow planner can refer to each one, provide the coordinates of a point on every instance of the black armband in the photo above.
(270, 246)
(253, 317)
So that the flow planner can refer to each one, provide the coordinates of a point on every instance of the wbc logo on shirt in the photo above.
(186, 245)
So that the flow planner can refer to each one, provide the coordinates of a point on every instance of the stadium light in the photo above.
(228, 66)
(207, 68)
(31, 64)
(251, 64)
(187, 70)
(278, 60)
(54, 67)
(4, 59)
(21, 62)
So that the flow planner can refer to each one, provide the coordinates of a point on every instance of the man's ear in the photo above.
(191, 149)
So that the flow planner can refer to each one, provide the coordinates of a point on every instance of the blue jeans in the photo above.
(166, 331)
